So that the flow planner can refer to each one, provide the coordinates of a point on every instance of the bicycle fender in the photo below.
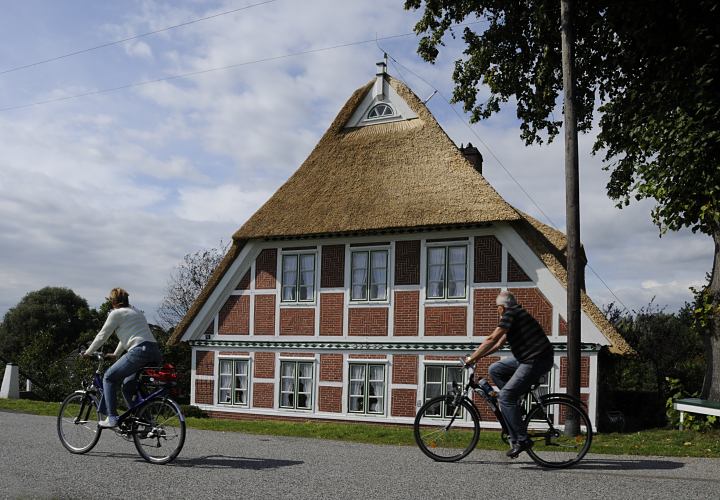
(177, 408)
(551, 398)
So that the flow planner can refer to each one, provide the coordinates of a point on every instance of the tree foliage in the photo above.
(650, 69)
(186, 282)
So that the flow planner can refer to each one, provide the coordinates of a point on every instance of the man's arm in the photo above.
(492, 343)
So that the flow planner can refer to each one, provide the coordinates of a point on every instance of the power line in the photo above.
(134, 37)
(552, 224)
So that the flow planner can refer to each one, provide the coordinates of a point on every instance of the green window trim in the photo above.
(364, 376)
(369, 283)
(297, 385)
(442, 275)
(438, 380)
(297, 277)
(234, 382)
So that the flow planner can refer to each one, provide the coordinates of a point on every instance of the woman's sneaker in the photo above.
(109, 422)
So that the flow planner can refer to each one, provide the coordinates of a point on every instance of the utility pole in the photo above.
(572, 198)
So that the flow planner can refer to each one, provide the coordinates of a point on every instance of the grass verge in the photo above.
(654, 442)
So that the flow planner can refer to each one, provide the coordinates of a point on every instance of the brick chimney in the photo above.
(472, 155)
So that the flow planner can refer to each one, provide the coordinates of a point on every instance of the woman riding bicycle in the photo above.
(532, 357)
(134, 336)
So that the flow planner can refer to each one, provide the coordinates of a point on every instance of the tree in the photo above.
(650, 69)
(186, 282)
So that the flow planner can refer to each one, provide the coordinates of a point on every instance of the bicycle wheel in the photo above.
(561, 433)
(442, 431)
(159, 432)
(77, 423)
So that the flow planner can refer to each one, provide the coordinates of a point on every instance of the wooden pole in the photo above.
(572, 198)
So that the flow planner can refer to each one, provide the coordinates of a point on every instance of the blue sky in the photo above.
(113, 189)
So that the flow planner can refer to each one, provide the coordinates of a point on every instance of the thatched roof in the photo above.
(403, 175)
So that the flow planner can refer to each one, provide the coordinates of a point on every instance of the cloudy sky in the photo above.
(102, 188)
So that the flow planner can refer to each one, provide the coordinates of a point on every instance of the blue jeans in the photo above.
(125, 369)
(514, 380)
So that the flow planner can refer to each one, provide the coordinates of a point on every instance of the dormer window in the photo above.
(381, 110)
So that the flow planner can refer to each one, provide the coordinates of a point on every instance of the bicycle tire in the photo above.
(159, 431)
(554, 444)
(441, 431)
(77, 423)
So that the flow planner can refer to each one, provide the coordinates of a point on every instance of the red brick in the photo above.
(265, 269)
(263, 394)
(515, 271)
(204, 392)
(488, 259)
(331, 313)
(584, 371)
(370, 321)
(403, 402)
(405, 369)
(297, 321)
(330, 399)
(485, 311)
(204, 363)
(562, 326)
(264, 365)
(331, 367)
(244, 282)
(536, 304)
(367, 356)
(448, 321)
(332, 271)
(407, 262)
(234, 317)
(407, 311)
(264, 315)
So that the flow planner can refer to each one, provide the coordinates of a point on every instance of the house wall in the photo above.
(396, 333)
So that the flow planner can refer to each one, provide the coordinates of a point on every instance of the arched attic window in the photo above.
(381, 110)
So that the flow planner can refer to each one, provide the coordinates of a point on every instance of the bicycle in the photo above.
(447, 427)
(154, 421)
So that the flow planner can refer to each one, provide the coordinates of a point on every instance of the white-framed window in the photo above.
(298, 277)
(439, 380)
(544, 387)
(366, 393)
(446, 272)
(381, 110)
(296, 384)
(368, 275)
(234, 382)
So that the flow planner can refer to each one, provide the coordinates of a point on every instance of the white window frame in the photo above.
(446, 246)
(298, 272)
(366, 386)
(368, 284)
(295, 393)
(233, 379)
(446, 385)
(380, 117)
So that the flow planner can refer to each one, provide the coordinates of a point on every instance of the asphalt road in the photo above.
(33, 464)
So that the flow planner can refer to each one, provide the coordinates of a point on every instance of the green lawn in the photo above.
(658, 442)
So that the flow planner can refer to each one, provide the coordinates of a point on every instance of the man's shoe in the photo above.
(518, 448)
(109, 422)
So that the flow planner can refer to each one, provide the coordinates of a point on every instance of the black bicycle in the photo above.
(447, 428)
(154, 421)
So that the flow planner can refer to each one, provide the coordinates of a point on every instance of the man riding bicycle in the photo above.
(532, 357)
(134, 336)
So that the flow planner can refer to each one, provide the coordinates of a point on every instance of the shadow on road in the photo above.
(223, 462)
(623, 464)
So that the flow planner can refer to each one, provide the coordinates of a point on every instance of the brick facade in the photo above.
(331, 367)
(562, 326)
(297, 321)
(515, 271)
(406, 313)
(234, 317)
(331, 313)
(488, 259)
(244, 282)
(446, 321)
(536, 304)
(264, 315)
(330, 399)
(332, 270)
(265, 269)
(485, 316)
(204, 363)
(370, 321)
(204, 392)
(263, 393)
(403, 403)
(264, 365)
(407, 262)
(405, 369)
(584, 371)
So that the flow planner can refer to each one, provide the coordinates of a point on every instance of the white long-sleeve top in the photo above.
(130, 327)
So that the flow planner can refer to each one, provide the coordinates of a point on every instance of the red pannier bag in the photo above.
(165, 375)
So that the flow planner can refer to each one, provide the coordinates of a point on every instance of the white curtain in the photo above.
(378, 285)
(436, 272)
(289, 277)
(359, 275)
(456, 272)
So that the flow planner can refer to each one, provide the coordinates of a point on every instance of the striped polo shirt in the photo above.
(526, 337)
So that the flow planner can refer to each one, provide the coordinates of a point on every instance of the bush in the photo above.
(692, 421)
(193, 411)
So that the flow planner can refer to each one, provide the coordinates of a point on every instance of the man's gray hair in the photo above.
(506, 299)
